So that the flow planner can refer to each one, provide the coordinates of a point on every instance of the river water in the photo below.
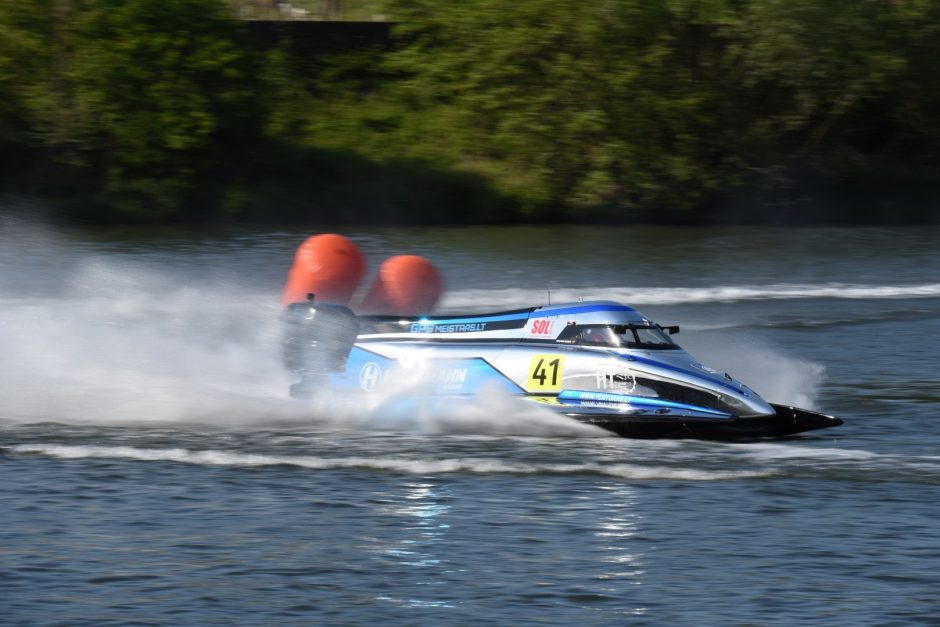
(155, 472)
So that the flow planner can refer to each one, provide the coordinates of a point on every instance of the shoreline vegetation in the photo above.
(472, 112)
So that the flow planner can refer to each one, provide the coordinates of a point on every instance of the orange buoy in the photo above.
(406, 284)
(330, 266)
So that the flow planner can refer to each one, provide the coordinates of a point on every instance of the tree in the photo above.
(26, 55)
(159, 86)
(594, 107)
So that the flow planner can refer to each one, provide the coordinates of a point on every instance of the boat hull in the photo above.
(785, 422)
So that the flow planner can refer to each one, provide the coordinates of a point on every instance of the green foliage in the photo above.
(137, 95)
(157, 83)
(582, 108)
(310, 9)
(817, 66)
(643, 108)
(532, 109)
(26, 49)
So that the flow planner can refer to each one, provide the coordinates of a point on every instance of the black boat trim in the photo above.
(786, 421)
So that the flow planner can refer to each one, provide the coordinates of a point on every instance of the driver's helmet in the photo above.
(596, 335)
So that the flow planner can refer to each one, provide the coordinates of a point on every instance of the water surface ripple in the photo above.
(156, 474)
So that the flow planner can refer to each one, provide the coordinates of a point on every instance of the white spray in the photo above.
(97, 338)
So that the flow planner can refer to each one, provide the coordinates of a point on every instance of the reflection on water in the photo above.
(600, 566)
(618, 530)
(423, 513)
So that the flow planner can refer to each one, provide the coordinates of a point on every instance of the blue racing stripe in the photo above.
(481, 318)
(583, 309)
(580, 309)
(576, 395)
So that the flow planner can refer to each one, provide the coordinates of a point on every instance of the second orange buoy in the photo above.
(406, 284)
(330, 266)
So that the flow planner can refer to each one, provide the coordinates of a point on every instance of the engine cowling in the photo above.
(318, 338)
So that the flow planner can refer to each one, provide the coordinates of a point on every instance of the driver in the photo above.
(596, 335)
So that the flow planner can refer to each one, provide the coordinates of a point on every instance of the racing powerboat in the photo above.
(600, 362)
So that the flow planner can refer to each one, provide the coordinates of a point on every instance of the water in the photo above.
(156, 473)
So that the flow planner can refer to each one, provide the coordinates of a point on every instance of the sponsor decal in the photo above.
(448, 378)
(545, 373)
(620, 382)
(542, 327)
(420, 327)
(611, 404)
(370, 375)
(606, 397)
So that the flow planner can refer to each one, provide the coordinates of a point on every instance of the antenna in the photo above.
(549, 297)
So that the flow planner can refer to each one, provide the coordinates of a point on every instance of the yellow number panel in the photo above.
(545, 373)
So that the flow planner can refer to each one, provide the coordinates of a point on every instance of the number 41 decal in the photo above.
(545, 373)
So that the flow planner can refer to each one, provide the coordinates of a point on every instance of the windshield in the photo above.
(623, 336)
(643, 337)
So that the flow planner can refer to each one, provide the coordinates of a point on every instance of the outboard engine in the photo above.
(318, 338)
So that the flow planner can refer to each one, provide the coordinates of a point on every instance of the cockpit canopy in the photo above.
(639, 336)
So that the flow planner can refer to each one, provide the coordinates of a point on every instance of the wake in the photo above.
(470, 299)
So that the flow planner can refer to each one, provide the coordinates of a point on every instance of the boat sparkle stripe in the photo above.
(580, 395)
(471, 320)
(580, 309)
(505, 325)
(521, 315)
(467, 338)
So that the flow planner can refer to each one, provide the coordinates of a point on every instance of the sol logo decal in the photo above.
(542, 327)
(369, 376)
